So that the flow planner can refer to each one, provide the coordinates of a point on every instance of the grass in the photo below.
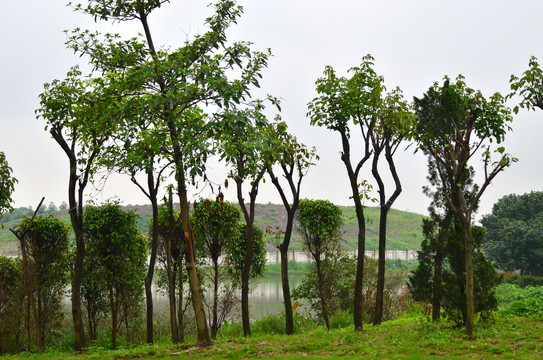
(409, 337)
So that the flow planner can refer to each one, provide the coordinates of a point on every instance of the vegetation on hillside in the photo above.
(404, 227)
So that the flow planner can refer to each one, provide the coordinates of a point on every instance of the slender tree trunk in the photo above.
(114, 326)
(438, 268)
(190, 262)
(180, 309)
(40, 328)
(283, 248)
(245, 277)
(470, 304)
(152, 261)
(359, 281)
(215, 325)
(321, 293)
(378, 316)
(171, 275)
(289, 317)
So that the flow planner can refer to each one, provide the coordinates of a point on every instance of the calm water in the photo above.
(265, 299)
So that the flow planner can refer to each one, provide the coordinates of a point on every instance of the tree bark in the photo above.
(470, 305)
(171, 275)
(324, 306)
(214, 323)
(152, 259)
(379, 296)
(287, 300)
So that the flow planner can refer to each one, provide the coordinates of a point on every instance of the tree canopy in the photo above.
(7, 184)
(514, 233)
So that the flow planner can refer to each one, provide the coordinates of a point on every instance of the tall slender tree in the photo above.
(80, 116)
(293, 161)
(172, 84)
(246, 150)
(454, 123)
(392, 124)
(342, 103)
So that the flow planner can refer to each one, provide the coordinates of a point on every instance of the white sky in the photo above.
(414, 43)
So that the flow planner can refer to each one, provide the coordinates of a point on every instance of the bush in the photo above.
(339, 289)
(514, 300)
(523, 280)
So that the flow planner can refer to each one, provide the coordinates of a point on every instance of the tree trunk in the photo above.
(114, 326)
(152, 261)
(190, 260)
(180, 309)
(170, 270)
(289, 317)
(321, 293)
(245, 277)
(438, 269)
(470, 304)
(215, 325)
(359, 281)
(378, 316)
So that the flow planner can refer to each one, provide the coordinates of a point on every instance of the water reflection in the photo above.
(265, 299)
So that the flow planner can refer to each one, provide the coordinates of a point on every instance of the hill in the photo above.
(404, 228)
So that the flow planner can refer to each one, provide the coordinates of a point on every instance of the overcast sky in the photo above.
(414, 43)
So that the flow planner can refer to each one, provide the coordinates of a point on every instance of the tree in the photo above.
(294, 160)
(140, 146)
(237, 250)
(454, 123)
(360, 101)
(245, 147)
(514, 236)
(215, 224)
(391, 125)
(439, 278)
(529, 87)
(113, 237)
(44, 247)
(7, 185)
(11, 306)
(63, 206)
(172, 84)
(80, 118)
(320, 223)
(171, 251)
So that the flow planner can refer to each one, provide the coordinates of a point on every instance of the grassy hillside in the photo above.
(404, 228)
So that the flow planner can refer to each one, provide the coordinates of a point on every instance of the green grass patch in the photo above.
(411, 336)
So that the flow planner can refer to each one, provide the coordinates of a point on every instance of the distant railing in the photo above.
(274, 257)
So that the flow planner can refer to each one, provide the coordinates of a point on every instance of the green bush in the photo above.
(514, 300)
(523, 280)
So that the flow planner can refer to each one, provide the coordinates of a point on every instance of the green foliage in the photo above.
(339, 278)
(214, 223)
(320, 223)
(44, 246)
(237, 248)
(514, 233)
(522, 280)
(7, 185)
(168, 228)
(528, 86)
(11, 309)
(118, 252)
(453, 296)
(514, 300)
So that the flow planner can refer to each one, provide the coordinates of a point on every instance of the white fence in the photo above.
(274, 257)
